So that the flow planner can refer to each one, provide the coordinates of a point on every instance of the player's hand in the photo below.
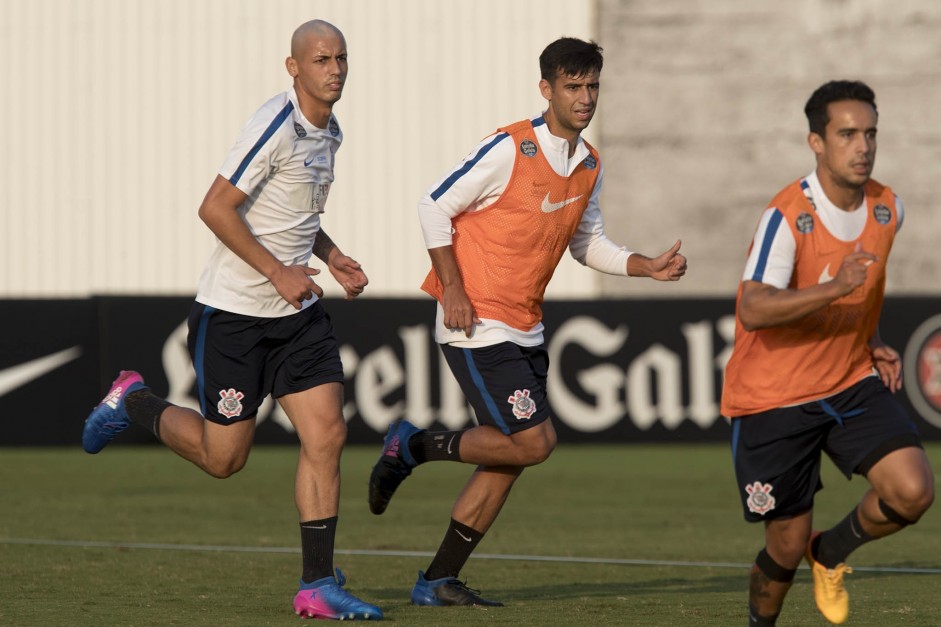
(854, 269)
(295, 285)
(889, 366)
(349, 274)
(670, 265)
(458, 310)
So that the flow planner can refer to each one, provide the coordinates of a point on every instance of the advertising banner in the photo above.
(620, 370)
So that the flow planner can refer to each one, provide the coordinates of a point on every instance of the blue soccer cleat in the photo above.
(326, 598)
(447, 591)
(394, 465)
(109, 418)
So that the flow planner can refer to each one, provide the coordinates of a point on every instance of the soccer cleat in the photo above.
(447, 591)
(394, 465)
(326, 598)
(109, 418)
(829, 592)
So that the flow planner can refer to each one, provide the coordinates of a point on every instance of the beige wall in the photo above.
(702, 119)
(118, 114)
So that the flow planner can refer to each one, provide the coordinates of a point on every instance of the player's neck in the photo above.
(842, 195)
(557, 130)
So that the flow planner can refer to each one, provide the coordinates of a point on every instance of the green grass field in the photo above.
(135, 536)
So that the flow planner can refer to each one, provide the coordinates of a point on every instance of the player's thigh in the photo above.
(317, 415)
(504, 383)
(873, 426)
(904, 474)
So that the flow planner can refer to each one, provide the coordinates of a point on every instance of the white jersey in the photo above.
(778, 249)
(285, 166)
(478, 182)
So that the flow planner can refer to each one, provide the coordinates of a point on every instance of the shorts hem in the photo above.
(891, 445)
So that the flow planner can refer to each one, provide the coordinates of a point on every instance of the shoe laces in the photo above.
(463, 586)
(834, 578)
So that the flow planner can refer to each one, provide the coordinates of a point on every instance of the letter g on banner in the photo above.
(603, 382)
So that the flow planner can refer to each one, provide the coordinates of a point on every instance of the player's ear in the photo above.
(545, 88)
(816, 143)
(291, 64)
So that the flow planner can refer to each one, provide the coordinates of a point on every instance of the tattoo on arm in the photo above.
(323, 245)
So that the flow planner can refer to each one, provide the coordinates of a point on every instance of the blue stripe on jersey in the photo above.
(770, 231)
(199, 356)
(484, 393)
(805, 187)
(464, 169)
(539, 121)
(275, 123)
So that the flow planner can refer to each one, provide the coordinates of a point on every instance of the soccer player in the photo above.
(496, 227)
(809, 372)
(257, 327)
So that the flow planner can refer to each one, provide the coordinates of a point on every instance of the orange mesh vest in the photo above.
(826, 351)
(508, 251)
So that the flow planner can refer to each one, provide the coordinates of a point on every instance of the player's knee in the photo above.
(539, 449)
(222, 468)
(906, 511)
(790, 549)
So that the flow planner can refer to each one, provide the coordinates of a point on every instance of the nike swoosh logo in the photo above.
(825, 275)
(307, 162)
(449, 444)
(19, 375)
(463, 537)
(549, 207)
(314, 526)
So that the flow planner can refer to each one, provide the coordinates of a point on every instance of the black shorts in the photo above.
(777, 453)
(239, 360)
(505, 383)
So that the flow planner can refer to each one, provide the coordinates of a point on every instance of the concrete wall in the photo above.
(702, 123)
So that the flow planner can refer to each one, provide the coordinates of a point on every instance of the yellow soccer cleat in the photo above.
(829, 591)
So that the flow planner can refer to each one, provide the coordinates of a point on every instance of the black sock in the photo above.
(834, 545)
(459, 542)
(144, 409)
(756, 620)
(427, 446)
(317, 548)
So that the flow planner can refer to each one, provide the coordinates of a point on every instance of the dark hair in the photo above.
(572, 56)
(835, 91)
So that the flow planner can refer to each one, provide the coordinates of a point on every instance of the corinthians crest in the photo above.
(759, 500)
(523, 406)
(231, 403)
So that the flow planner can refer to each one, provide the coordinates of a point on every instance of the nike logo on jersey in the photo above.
(825, 275)
(308, 161)
(549, 207)
(19, 375)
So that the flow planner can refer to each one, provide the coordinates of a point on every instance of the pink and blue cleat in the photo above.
(109, 418)
(326, 598)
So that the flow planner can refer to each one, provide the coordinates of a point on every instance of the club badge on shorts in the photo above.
(759, 500)
(523, 406)
(231, 404)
